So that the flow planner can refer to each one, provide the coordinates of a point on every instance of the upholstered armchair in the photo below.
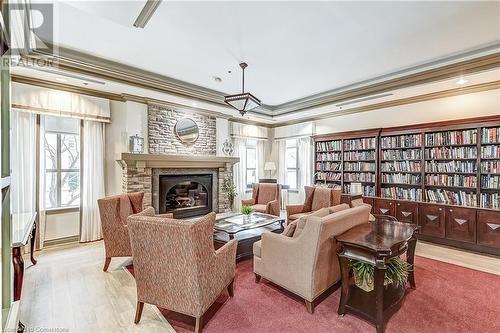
(266, 198)
(176, 266)
(315, 198)
(114, 211)
(305, 263)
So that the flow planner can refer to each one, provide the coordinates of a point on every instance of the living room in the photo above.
(180, 166)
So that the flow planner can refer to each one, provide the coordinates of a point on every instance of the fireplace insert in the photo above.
(185, 195)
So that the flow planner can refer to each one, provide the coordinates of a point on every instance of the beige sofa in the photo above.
(316, 197)
(303, 259)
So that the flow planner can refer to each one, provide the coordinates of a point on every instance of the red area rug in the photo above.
(448, 298)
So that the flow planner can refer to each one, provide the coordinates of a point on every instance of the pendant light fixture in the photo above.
(243, 102)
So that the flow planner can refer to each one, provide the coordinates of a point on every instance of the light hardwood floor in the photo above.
(68, 289)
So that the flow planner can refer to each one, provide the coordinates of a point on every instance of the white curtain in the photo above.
(281, 161)
(239, 171)
(260, 159)
(23, 157)
(92, 179)
(305, 162)
(41, 187)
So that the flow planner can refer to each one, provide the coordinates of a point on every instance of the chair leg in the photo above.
(257, 278)
(138, 312)
(309, 306)
(199, 325)
(106, 263)
(230, 288)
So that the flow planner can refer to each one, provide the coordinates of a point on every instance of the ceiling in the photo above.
(294, 49)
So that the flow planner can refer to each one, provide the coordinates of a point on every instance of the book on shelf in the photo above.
(328, 166)
(490, 135)
(368, 190)
(328, 176)
(364, 143)
(401, 178)
(451, 166)
(490, 152)
(361, 177)
(450, 153)
(451, 180)
(329, 185)
(463, 137)
(401, 166)
(402, 154)
(329, 156)
(402, 193)
(490, 166)
(460, 198)
(401, 141)
(490, 182)
(359, 166)
(490, 200)
(359, 155)
(329, 145)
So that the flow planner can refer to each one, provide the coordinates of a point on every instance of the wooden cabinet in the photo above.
(432, 220)
(384, 207)
(370, 201)
(407, 211)
(461, 224)
(488, 228)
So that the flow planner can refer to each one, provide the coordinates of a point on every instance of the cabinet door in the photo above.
(384, 207)
(345, 198)
(369, 201)
(461, 224)
(488, 228)
(407, 211)
(431, 220)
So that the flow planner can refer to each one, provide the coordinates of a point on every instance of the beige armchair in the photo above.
(315, 198)
(266, 198)
(306, 264)
(176, 266)
(114, 211)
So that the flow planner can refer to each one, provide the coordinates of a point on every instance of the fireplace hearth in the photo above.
(185, 195)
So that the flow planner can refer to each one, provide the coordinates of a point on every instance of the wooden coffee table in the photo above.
(246, 230)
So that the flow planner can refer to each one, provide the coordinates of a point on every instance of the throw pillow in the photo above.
(301, 222)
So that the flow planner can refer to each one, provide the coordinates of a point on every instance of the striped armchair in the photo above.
(176, 266)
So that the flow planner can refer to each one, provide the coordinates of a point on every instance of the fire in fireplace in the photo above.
(185, 195)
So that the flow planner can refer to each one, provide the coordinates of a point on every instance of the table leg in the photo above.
(231, 236)
(410, 257)
(17, 260)
(32, 244)
(344, 273)
(379, 296)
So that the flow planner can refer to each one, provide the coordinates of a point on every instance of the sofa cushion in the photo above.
(267, 193)
(289, 229)
(259, 208)
(257, 248)
(338, 208)
(301, 222)
(322, 198)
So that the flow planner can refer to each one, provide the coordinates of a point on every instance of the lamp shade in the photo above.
(243, 102)
(270, 166)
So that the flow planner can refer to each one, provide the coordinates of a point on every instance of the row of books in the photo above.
(460, 198)
(492, 182)
(328, 166)
(359, 155)
(359, 166)
(490, 166)
(402, 193)
(328, 176)
(328, 156)
(329, 185)
(360, 177)
(408, 166)
(451, 138)
(368, 190)
(490, 135)
(401, 178)
(490, 152)
(451, 180)
(329, 145)
(365, 143)
(451, 166)
(490, 200)
(401, 141)
(450, 153)
(400, 154)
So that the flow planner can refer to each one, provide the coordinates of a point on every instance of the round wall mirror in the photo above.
(187, 130)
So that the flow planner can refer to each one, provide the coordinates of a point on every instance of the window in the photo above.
(291, 163)
(62, 162)
(251, 160)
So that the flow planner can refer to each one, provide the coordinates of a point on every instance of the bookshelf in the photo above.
(328, 164)
(490, 168)
(360, 164)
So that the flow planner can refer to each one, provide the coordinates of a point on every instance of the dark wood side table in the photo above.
(375, 243)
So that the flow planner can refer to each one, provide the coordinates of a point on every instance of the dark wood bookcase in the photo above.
(444, 176)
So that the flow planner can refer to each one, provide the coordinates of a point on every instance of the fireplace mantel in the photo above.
(142, 161)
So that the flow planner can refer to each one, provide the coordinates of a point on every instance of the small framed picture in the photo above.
(136, 144)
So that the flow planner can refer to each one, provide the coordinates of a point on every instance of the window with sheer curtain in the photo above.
(291, 161)
(251, 161)
(61, 144)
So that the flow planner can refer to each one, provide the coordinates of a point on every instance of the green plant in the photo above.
(396, 273)
(229, 190)
(247, 210)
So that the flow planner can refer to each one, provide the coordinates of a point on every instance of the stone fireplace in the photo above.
(184, 185)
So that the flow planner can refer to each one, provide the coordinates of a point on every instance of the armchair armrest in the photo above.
(248, 202)
(273, 208)
(166, 215)
(294, 209)
(225, 261)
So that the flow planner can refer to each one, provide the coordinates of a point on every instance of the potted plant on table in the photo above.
(229, 190)
(247, 212)
(396, 273)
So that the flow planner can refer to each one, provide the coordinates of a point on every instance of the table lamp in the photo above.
(270, 166)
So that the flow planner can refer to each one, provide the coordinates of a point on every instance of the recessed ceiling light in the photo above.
(60, 79)
(462, 81)
(217, 79)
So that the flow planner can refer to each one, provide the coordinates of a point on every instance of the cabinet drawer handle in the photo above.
(399, 204)
(440, 209)
(493, 226)
(451, 210)
(390, 203)
(406, 214)
(431, 217)
(460, 221)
